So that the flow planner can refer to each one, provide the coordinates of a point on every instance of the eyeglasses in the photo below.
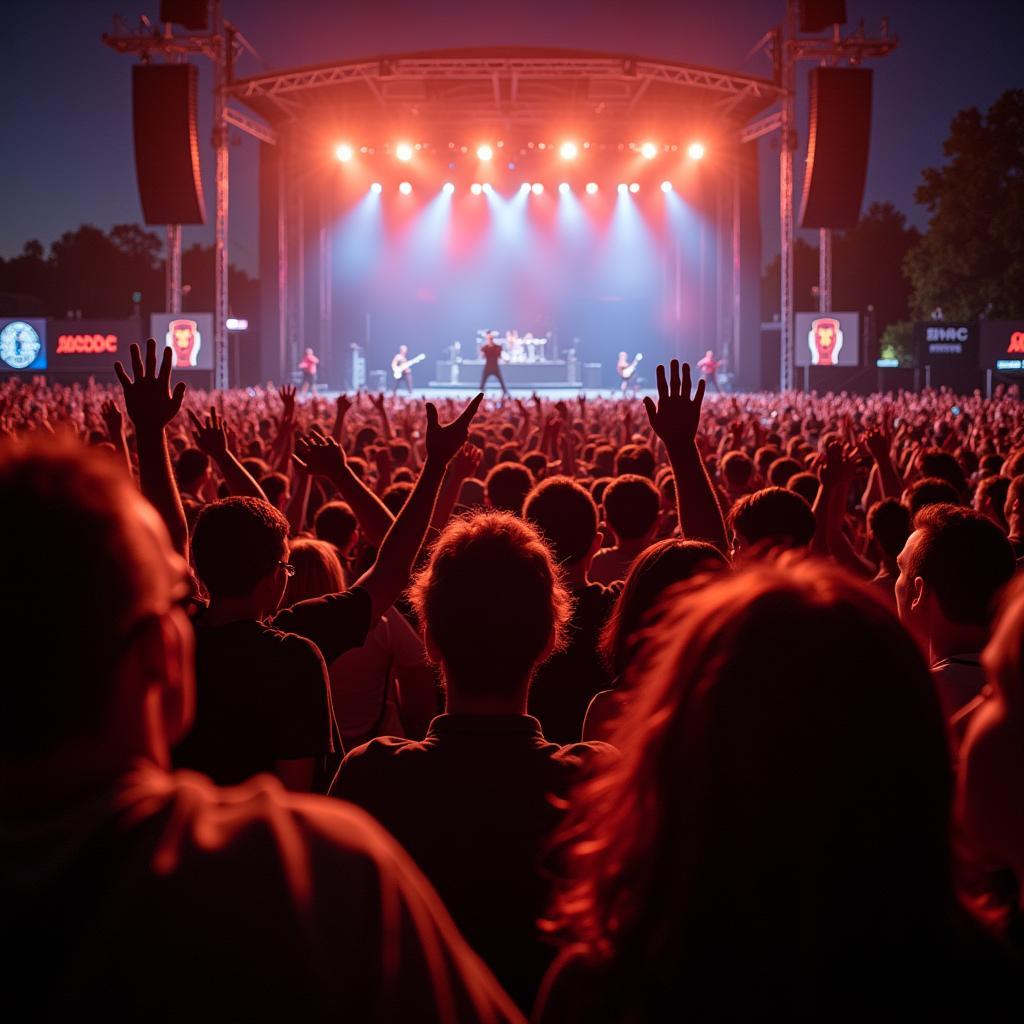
(289, 569)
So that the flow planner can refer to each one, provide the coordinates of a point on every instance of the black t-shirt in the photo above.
(262, 690)
(564, 686)
(472, 805)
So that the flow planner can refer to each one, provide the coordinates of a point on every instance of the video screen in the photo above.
(22, 344)
(828, 339)
(188, 335)
(1001, 345)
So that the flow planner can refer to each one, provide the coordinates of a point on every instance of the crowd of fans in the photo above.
(581, 710)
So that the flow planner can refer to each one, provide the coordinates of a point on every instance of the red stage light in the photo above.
(648, 150)
(343, 152)
(569, 150)
(484, 152)
(403, 151)
(695, 151)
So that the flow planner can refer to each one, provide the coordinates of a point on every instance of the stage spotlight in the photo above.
(623, 188)
(666, 186)
(536, 188)
(591, 188)
(525, 187)
(564, 188)
(484, 152)
(476, 188)
(695, 151)
(634, 188)
(343, 153)
(403, 151)
(448, 188)
(376, 188)
(648, 150)
(405, 188)
(569, 150)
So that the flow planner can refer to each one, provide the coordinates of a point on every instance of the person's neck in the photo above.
(633, 546)
(457, 703)
(956, 638)
(1016, 528)
(224, 611)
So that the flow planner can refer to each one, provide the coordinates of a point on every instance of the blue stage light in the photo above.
(448, 188)
(376, 188)
(564, 188)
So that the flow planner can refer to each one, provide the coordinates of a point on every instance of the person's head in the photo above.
(318, 570)
(631, 506)
(888, 528)
(771, 518)
(761, 796)
(95, 608)
(1014, 464)
(403, 350)
(396, 495)
(942, 464)
(655, 570)
(931, 490)
(635, 460)
(537, 464)
(1013, 507)
(604, 460)
(805, 484)
(737, 471)
(990, 499)
(191, 470)
(491, 605)
(952, 569)
(239, 548)
(781, 469)
(336, 523)
(277, 488)
(401, 452)
(507, 486)
(567, 517)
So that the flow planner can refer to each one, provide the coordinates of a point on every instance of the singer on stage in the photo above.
(308, 365)
(491, 352)
(709, 367)
(400, 369)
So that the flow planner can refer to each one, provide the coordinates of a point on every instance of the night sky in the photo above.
(68, 131)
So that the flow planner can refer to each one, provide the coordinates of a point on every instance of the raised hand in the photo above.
(320, 455)
(677, 415)
(211, 436)
(838, 465)
(378, 402)
(465, 462)
(878, 442)
(112, 419)
(287, 393)
(150, 403)
(444, 442)
(344, 403)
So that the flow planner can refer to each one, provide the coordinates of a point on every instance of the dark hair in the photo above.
(889, 525)
(631, 506)
(931, 490)
(598, 487)
(77, 572)
(761, 799)
(781, 469)
(275, 486)
(805, 484)
(400, 451)
(396, 495)
(491, 600)
(604, 460)
(335, 522)
(1014, 493)
(736, 469)
(507, 486)
(659, 567)
(190, 466)
(938, 463)
(318, 570)
(1014, 464)
(536, 463)
(635, 459)
(964, 557)
(567, 516)
(236, 543)
(773, 516)
(994, 489)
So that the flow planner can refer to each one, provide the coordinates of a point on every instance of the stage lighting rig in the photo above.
(403, 151)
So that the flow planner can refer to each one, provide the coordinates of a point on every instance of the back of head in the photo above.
(69, 598)
(931, 490)
(772, 517)
(661, 566)
(889, 526)
(1013, 507)
(396, 495)
(318, 570)
(491, 603)
(935, 462)
(275, 487)
(567, 516)
(762, 797)
(737, 468)
(990, 498)
(190, 468)
(507, 486)
(636, 459)
(236, 543)
(335, 523)
(805, 484)
(781, 470)
(631, 506)
(963, 557)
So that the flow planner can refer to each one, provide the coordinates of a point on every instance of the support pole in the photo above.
(787, 144)
(283, 366)
(737, 281)
(172, 269)
(222, 77)
(824, 270)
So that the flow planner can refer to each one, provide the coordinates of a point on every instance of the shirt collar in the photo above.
(489, 725)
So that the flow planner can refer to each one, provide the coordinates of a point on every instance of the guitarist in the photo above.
(491, 351)
(400, 369)
(627, 371)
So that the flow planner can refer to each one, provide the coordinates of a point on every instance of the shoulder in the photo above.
(370, 763)
(297, 650)
(590, 752)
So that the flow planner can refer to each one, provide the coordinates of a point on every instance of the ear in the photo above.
(433, 651)
(920, 594)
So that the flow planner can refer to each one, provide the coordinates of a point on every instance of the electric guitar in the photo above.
(631, 369)
(399, 368)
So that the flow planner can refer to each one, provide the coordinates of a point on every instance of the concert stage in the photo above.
(547, 374)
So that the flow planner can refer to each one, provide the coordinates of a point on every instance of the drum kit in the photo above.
(516, 348)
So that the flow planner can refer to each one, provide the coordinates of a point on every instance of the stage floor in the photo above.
(548, 393)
